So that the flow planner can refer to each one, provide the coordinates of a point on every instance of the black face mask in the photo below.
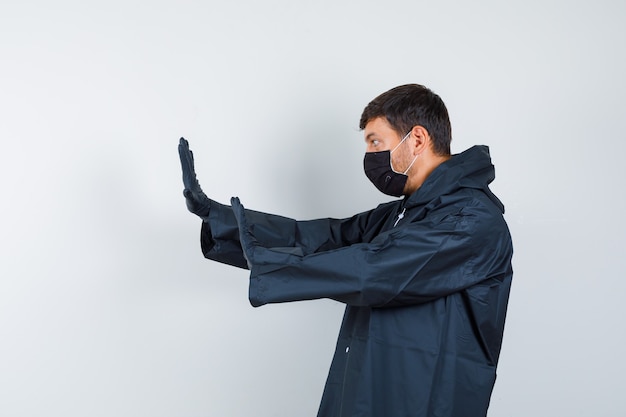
(378, 169)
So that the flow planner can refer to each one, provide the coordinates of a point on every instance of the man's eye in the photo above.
(375, 142)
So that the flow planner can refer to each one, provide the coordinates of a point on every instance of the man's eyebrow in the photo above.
(369, 135)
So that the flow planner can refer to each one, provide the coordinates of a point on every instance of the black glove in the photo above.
(197, 202)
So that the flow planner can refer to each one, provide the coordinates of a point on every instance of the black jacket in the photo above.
(425, 281)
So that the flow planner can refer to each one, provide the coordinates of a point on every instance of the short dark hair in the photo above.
(410, 105)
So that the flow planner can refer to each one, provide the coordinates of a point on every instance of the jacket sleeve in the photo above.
(219, 235)
(409, 265)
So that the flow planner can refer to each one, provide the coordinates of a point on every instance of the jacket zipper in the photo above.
(400, 217)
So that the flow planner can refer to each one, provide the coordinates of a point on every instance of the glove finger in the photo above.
(247, 239)
(191, 161)
(183, 149)
(187, 165)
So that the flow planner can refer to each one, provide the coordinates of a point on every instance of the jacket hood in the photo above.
(469, 169)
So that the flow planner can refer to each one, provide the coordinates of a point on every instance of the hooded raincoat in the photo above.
(425, 281)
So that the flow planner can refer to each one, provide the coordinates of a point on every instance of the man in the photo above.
(425, 279)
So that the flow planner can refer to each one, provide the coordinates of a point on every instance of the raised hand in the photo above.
(197, 202)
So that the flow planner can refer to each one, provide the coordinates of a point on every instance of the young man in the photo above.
(425, 279)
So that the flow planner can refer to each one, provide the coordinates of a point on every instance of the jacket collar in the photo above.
(469, 169)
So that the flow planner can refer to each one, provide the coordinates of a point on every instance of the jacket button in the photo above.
(347, 349)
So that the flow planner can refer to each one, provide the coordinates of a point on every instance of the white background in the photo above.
(107, 307)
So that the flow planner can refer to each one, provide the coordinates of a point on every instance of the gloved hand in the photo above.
(197, 202)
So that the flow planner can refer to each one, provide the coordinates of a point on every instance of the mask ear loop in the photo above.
(414, 159)
(393, 150)
(403, 139)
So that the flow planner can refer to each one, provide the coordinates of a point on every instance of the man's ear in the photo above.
(421, 139)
